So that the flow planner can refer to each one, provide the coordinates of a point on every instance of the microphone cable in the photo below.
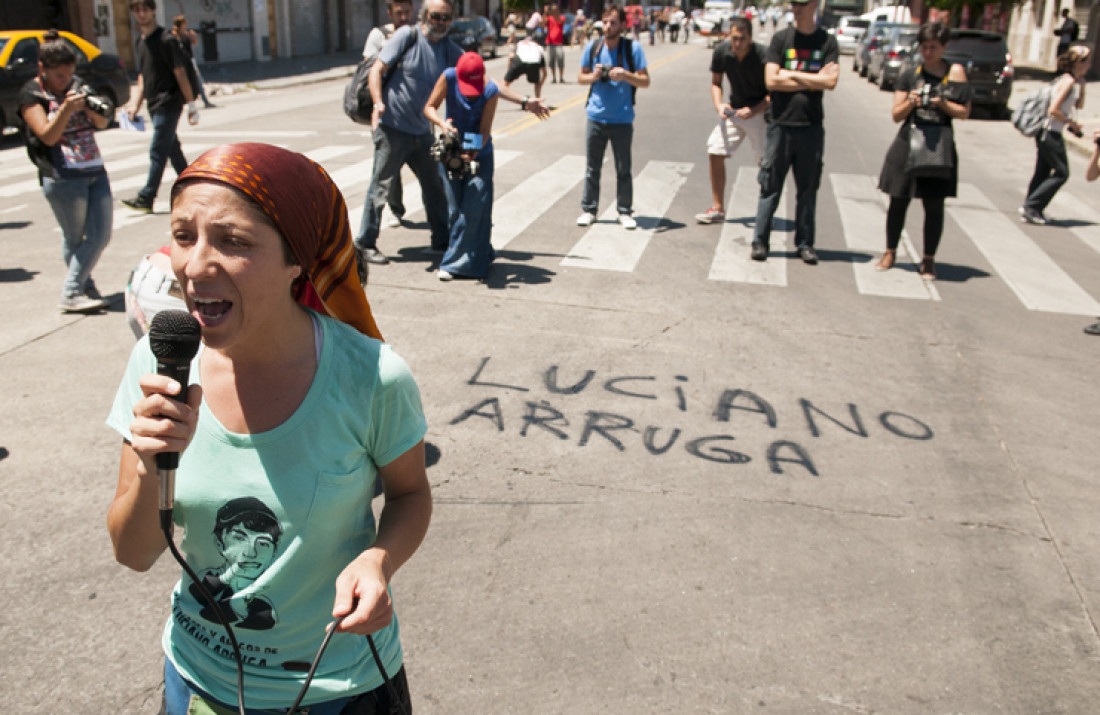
(166, 527)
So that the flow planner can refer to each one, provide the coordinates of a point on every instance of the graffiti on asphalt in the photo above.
(539, 414)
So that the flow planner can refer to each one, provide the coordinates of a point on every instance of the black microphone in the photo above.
(174, 337)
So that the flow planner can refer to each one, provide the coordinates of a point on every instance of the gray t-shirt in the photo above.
(411, 85)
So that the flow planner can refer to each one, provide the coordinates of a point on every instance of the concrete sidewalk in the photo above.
(277, 73)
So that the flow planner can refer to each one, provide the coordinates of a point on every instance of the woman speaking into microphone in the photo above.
(297, 417)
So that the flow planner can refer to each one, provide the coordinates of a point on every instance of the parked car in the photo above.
(891, 54)
(19, 63)
(848, 32)
(876, 33)
(474, 34)
(988, 65)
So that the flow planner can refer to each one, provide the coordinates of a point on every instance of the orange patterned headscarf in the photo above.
(309, 211)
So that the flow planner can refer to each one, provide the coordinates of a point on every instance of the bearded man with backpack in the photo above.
(614, 67)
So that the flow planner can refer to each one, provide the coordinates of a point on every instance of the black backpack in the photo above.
(358, 104)
(625, 51)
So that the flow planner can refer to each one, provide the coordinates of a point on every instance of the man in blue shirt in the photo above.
(614, 67)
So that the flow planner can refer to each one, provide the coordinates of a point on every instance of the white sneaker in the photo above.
(627, 221)
(81, 304)
(394, 222)
(586, 219)
(444, 275)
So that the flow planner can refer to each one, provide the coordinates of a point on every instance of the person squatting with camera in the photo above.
(613, 67)
(164, 86)
(466, 152)
(418, 55)
(60, 115)
(742, 61)
(927, 97)
(1051, 163)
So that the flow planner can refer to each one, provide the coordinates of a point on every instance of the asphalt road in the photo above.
(665, 479)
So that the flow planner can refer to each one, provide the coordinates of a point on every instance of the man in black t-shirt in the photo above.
(163, 84)
(740, 60)
(801, 63)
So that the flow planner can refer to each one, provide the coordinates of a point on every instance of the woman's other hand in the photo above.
(362, 596)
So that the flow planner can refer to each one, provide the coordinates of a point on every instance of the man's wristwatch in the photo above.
(523, 104)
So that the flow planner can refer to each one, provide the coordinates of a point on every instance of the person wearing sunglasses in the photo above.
(418, 55)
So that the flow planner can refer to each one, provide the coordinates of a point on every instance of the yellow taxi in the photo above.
(19, 62)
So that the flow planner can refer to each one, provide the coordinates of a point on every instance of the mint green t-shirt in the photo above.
(271, 519)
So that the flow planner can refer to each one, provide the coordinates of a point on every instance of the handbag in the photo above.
(931, 154)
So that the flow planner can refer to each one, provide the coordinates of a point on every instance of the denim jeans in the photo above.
(392, 148)
(471, 249)
(786, 148)
(178, 693)
(621, 136)
(164, 147)
(83, 208)
(1051, 170)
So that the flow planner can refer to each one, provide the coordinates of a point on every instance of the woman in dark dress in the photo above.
(948, 98)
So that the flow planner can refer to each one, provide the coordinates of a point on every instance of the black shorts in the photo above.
(518, 69)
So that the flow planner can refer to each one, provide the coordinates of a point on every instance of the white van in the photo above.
(889, 13)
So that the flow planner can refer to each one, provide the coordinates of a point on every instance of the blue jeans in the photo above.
(178, 693)
(164, 147)
(84, 210)
(1051, 170)
(471, 249)
(597, 134)
(786, 148)
(392, 148)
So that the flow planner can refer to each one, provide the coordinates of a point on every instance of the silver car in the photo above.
(891, 54)
(848, 32)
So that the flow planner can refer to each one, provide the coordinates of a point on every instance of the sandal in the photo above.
(928, 268)
(887, 261)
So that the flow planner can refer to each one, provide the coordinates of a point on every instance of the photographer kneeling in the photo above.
(471, 105)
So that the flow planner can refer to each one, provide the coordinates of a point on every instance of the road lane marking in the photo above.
(607, 245)
(731, 257)
(1031, 274)
(863, 219)
(1065, 204)
(520, 207)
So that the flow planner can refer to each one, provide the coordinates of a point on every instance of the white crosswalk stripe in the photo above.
(1069, 206)
(521, 206)
(731, 257)
(862, 214)
(607, 245)
(1033, 276)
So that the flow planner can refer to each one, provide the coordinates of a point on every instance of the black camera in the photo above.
(447, 150)
(605, 74)
(100, 106)
(927, 93)
(1076, 131)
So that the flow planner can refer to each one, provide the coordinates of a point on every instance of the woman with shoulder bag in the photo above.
(927, 98)
(60, 123)
(1051, 163)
